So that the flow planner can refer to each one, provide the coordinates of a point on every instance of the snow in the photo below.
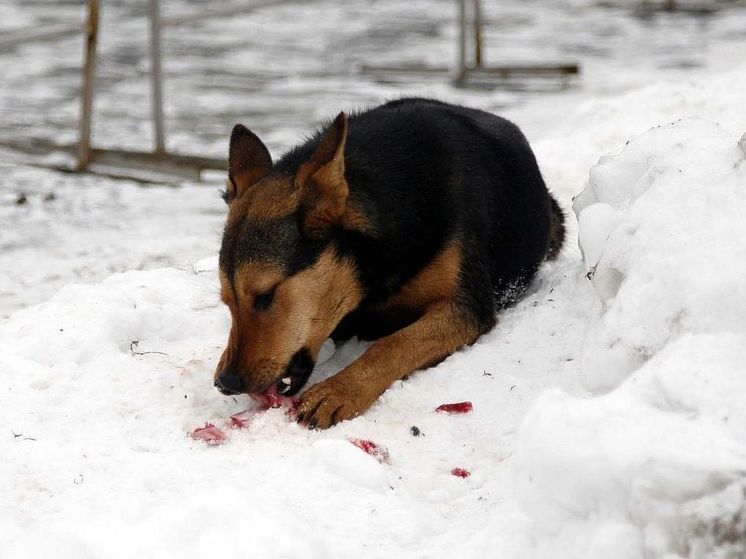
(660, 230)
(608, 416)
(111, 461)
(664, 206)
(618, 458)
(136, 228)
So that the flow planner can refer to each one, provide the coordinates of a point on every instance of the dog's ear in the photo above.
(321, 180)
(248, 161)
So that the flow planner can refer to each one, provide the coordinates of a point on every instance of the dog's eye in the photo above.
(264, 300)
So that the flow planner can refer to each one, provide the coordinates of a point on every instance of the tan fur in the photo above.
(436, 282)
(322, 180)
(438, 333)
(248, 160)
(355, 219)
(305, 310)
(273, 197)
(319, 184)
(329, 154)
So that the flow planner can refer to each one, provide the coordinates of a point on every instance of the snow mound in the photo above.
(602, 123)
(654, 464)
(628, 473)
(661, 232)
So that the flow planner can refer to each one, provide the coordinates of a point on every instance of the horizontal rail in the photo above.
(158, 160)
(186, 166)
(218, 11)
(532, 69)
(34, 34)
(413, 68)
(503, 70)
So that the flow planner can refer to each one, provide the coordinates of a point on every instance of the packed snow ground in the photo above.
(608, 413)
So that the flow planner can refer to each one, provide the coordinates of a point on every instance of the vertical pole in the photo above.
(462, 68)
(88, 86)
(477, 34)
(156, 75)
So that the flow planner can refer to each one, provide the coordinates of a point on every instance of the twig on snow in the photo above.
(135, 343)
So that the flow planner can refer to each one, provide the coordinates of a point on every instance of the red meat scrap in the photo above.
(460, 407)
(271, 399)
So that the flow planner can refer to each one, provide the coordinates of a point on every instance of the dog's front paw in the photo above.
(330, 402)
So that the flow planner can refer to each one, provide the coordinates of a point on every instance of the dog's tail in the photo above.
(556, 229)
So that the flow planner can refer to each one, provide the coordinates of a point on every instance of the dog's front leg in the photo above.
(439, 332)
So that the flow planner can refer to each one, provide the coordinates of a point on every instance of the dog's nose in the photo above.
(230, 383)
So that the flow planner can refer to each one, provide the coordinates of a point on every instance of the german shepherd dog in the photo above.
(411, 223)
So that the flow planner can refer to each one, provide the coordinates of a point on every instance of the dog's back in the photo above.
(426, 172)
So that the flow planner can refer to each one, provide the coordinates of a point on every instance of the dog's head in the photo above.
(281, 274)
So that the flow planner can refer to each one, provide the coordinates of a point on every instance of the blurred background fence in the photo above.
(277, 64)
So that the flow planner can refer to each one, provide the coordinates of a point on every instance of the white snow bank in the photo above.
(609, 476)
(662, 233)
(603, 123)
(655, 466)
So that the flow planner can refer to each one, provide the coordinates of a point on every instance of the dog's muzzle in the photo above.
(296, 373)
(230, 383)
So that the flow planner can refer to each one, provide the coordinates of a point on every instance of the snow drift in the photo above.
(662, 236)
(653, 466)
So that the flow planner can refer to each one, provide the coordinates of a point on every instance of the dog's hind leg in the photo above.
(441, 330)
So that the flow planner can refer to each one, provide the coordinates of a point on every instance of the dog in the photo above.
(411, 223)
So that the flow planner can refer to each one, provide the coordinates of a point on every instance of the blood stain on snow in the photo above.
(460, 407)
(241, 420)
(268, 400)
(210, 434)
(377, 451)
(460, 472)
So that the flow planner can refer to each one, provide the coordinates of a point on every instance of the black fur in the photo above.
(425, 173)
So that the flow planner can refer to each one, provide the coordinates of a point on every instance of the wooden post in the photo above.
(156, 76)
(88, 86)
(462, 64)
(478, 60)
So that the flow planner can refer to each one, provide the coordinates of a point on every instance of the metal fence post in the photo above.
(88, 86)
(156, 76)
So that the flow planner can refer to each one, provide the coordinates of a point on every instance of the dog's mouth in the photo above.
(296, 374)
